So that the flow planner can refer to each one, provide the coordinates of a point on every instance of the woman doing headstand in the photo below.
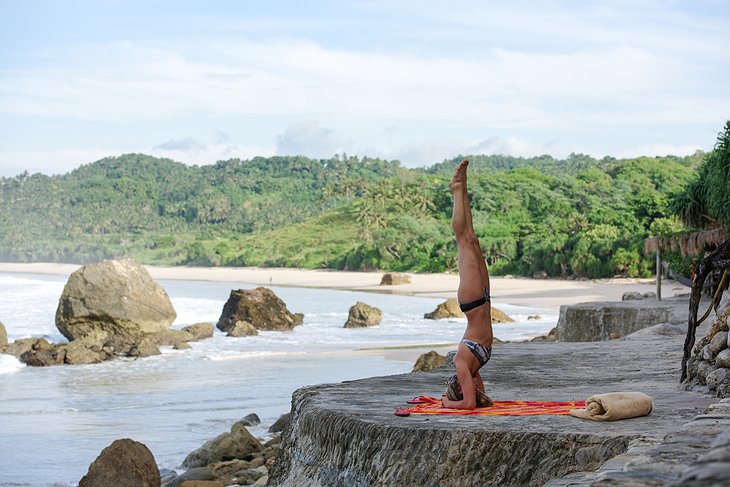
(475, 347)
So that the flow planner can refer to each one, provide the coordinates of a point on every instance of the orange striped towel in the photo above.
(431, 405)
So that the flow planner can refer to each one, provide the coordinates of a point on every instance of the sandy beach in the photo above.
(538, 293)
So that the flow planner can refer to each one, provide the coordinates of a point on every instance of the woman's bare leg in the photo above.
(470, 225)
(473, 275)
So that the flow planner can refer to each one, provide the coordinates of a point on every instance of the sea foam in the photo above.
(9, 364)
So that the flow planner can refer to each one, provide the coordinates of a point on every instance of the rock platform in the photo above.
(347, 435)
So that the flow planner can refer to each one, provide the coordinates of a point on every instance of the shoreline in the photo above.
(522, 291)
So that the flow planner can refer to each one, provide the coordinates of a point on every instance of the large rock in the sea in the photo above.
(237, 444)
(123, 463)
(117, 296)
(362, 315)
(3, 335)
(500, 316)
(590, 322)
(450, 309)
(260, 307)
(447, 309)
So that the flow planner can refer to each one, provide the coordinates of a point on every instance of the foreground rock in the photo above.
(429, 361)
(260, 307)
(395, 279)
(3, 335)
(123, 463)
(362, 315)
(115, 296)
(236, 444)
(450, 309)
(597, 321)
(360, 442)
(233, 458)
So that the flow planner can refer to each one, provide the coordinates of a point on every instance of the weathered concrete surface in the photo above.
(597, 321)
(697, 454)
(346, 434)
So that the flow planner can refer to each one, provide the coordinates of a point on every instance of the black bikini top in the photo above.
(476, 303)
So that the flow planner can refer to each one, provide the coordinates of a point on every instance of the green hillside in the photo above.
(573, 217)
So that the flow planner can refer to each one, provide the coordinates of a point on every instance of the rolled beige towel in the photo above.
(614, 405)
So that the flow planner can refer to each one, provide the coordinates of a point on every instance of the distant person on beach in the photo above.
(465, 390)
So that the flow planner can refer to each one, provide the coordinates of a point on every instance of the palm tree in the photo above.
(705, 201)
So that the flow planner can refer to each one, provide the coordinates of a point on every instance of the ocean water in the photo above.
(54, 421)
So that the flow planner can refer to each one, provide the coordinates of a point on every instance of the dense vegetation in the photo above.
(574, 217)
(705, 201)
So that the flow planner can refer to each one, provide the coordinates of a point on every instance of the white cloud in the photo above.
(503, 87)
(186, 144)
(309, 138)
(192, 151)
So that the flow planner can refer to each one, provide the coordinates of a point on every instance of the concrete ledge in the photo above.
(598, 321)
(346, 434)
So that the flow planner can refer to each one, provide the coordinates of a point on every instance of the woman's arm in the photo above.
(469, 395)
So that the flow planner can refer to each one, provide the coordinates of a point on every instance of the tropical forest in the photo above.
(577, 217)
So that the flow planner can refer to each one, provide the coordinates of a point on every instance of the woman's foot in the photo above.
(459, 180)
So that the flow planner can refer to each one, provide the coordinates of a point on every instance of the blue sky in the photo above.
(414, 81)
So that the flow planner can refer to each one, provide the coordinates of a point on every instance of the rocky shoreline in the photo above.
(114, 308)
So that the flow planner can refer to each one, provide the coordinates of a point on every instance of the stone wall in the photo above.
(708, 368)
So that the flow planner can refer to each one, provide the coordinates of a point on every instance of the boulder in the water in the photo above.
(450, 309)
(260, 307)
(116, 296)
(447, 309)
(362, 315)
